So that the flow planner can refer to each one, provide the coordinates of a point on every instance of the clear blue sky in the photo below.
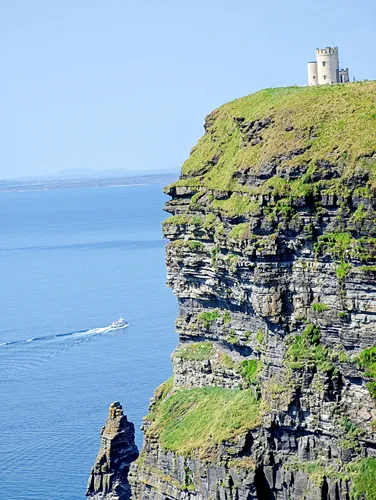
(126, 84)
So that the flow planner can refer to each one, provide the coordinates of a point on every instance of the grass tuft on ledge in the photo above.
(197, 420)
(198, 351)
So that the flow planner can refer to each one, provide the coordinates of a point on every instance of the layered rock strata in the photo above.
(109, 476)
(272, 258)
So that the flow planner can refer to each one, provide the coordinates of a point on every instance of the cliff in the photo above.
(272, 258)
(109, 476)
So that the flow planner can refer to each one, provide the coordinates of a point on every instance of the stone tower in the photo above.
(327, 65)
(325, 70)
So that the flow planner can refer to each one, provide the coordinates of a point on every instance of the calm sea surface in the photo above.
(71, 262)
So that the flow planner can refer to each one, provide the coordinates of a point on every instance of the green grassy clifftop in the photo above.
(296, 130)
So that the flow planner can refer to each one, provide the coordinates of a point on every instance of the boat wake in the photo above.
(20, 354)
(78, 334)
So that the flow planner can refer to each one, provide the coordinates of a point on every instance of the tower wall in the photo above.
(312, 73)
(343, 75)
(327, 65)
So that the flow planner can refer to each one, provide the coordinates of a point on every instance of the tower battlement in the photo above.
(327, 50)
(325, 70)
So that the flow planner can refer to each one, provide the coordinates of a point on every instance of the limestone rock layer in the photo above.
(109, 476)
(272, 258)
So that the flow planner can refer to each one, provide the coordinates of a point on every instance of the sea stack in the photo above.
(109, 475)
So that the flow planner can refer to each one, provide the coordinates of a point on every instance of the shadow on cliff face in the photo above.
(325, 491)
(262, 486)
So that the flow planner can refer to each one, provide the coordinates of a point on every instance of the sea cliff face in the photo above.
(272, 258)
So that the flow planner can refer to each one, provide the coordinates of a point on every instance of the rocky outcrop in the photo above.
(109, 475)
(272, 258)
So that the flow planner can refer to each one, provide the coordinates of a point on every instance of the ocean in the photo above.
(73, 261)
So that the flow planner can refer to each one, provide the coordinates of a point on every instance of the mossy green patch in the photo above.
(192, 245)
(250, 369)
(236, 204)
(305, 351)
(259, 337)
(367, 361)
(207, 317)
(363, 474)
(209, 221)
(320, 307)
(198, 351)
(176, 220)
(226, 318)
(336, 244)
(368, 269)
(191, 421)
(240, 231)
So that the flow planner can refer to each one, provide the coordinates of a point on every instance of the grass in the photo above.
(336, 244)
(227, 316)
(197, 420)
(342, 271)
(240, 231)
(260, 337)
(207, 317)
(195, 246)
(363, 474)
(192, 245)
(368, 269)
(344, 121)
(343, 246)
(367, 361)
(305, 351)
(236, 204)
(320, 307)
(250, 369)
(210, 221)
(360, 213)
(199, 351)
(177, 220)
(316, 471)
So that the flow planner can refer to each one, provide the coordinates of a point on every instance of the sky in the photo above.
(120, 84)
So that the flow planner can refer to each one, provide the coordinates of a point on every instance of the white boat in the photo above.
(120, 323)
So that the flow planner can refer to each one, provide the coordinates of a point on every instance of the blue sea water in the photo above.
(73, 261)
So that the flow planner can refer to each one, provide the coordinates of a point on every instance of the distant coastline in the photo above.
(8, 185)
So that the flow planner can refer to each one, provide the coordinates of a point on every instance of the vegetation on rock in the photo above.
(367, 361)
(305, 350)
(197, 351)
(363, 474)
(189, 421)
(303, 125)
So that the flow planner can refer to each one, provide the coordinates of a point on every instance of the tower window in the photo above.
(324, 77)
(324, 63)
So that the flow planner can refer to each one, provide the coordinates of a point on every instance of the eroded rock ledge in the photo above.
(109, 475)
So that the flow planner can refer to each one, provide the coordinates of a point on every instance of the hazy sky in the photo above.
(127, 84)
